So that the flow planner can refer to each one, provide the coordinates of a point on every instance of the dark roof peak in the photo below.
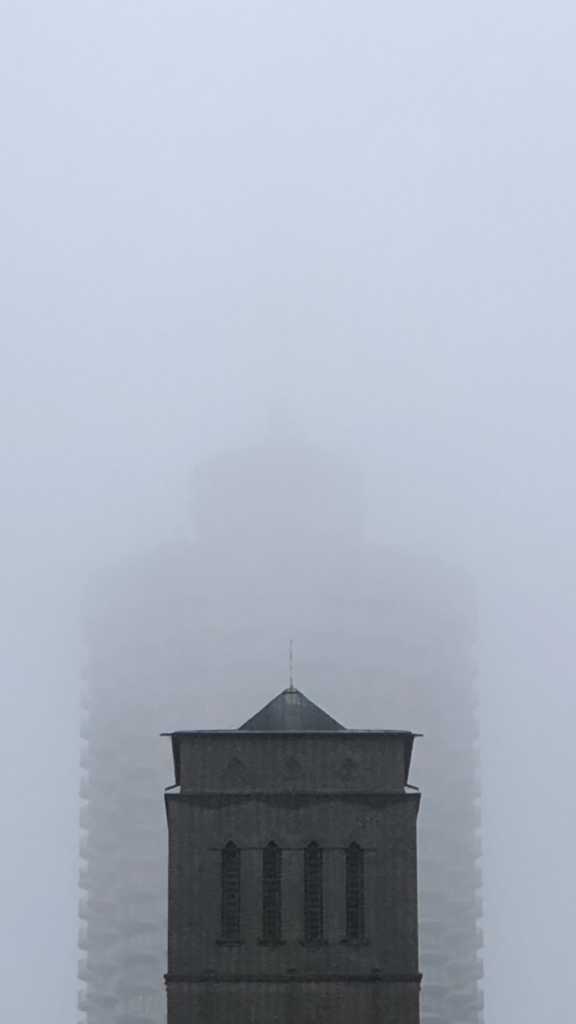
(291, 711)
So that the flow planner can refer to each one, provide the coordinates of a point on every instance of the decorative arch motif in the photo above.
(230, 893)
(355, 899)
(235, 773)
(293, 770)
(348, 770)
(272, 893)
(313, 894)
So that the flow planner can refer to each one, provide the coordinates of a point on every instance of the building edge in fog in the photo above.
(381, 635)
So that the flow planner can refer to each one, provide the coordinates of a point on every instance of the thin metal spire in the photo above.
(291, 686)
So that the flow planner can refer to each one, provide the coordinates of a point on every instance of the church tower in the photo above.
(292, 873)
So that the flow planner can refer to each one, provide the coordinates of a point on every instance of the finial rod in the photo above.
(291, 665)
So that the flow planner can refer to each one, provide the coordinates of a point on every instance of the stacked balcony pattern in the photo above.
(194, 635)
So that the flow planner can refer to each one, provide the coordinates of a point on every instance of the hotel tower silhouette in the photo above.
(382, 636)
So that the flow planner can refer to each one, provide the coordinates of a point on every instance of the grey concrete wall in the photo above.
(250, 982)
(238, 761)
(291, 1002)
(293, 789)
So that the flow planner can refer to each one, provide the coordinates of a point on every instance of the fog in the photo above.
(348, 224)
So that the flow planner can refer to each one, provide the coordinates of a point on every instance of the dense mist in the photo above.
(350, 226)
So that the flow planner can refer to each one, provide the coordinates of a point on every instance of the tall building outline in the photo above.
(380, 634)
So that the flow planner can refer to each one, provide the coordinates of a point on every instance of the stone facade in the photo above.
(341, 790)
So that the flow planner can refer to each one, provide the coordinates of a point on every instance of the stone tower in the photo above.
(292, 873)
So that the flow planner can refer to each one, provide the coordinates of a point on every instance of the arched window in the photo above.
(271, 893)
(313, 894)
(354, 893)
(230, 885)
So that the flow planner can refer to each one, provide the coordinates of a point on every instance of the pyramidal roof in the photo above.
(291, 711)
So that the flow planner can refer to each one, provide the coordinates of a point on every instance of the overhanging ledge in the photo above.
(378, 977)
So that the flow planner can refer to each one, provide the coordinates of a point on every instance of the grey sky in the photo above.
(357, 219)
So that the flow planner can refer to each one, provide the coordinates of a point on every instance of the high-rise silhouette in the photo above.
(382, 636)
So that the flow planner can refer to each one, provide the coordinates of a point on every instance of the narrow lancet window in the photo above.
(230, 881)
(354, 893)
(272, 893)
(313, 894)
